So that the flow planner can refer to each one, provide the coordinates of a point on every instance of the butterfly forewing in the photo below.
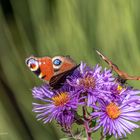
(53, 70)
(122, 75)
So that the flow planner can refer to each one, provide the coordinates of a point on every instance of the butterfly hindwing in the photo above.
(58, 80)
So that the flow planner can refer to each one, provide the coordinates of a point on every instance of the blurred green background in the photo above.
(59, 27)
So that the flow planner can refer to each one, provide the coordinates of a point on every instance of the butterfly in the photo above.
(52, 70)
(122, 76)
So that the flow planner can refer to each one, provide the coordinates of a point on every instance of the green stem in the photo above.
(102, 136)
(86, 124)
(88, 134)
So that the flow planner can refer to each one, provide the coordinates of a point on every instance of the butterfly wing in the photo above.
(58, 80)
(123, 75)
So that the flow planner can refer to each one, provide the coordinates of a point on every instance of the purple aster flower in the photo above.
(114, 91)
(118, 118)
(91, 82)
(59, 105)
(118, 92)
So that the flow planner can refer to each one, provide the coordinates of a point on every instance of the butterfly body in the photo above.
(52, 70)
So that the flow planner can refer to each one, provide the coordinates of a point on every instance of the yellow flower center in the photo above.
(113, 111)
(87, 82)
(119, 88)
(60, 99)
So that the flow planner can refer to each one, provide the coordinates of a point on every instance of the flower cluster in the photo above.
(111, 105)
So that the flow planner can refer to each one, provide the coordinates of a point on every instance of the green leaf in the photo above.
(66, 139)
(93, 123)
(108, 137)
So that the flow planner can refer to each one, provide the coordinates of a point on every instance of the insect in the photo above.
(122, 76)
(53, 70)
